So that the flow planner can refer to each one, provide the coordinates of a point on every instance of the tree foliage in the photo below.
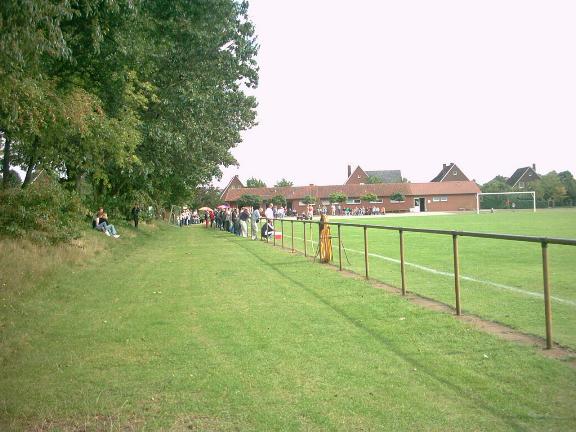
(550, 188)
(309, 199)
(279, 200)
(284, 183)
(249, 200)
(497, 184)
(255, 183)
(337, 197)
(123, 99)
(369, 197)
(372, 179)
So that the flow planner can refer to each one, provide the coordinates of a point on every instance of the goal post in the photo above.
(508, 202)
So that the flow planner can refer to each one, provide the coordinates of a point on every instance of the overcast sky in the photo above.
(489, 85)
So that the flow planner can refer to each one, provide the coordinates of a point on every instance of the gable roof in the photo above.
(387, 176)
(445, 170)
(442, 174)
(232, 184)
(518, 174)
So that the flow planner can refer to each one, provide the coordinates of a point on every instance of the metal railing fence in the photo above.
(543, 241)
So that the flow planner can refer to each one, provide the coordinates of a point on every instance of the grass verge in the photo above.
(192, 329)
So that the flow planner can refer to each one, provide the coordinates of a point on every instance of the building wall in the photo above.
(453, 203)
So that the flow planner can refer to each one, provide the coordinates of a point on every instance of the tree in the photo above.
(550, 188)
(337, 197)
(284, 183)
(249, 200)
(369, 197)
(255, 183)
(497, 184)
(278, 200)
(569, 183)
(205, 196)
(309, 199)
(397, 197)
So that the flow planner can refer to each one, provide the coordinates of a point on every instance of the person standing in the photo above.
(135, 214)
(244, 222)
(269, 212)
(255, 220)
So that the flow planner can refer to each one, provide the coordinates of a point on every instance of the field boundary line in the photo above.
(466, 278)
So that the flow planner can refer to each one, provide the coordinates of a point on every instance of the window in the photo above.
(353, 201)
(378, 201)
(444, 198)
(325, 202)
(304, 204)
(436, 199)
(521, 185)
(455, 173)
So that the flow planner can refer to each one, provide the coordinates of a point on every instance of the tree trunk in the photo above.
(6, 164)
(31, 164)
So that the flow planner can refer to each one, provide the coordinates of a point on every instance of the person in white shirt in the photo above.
(269, 213)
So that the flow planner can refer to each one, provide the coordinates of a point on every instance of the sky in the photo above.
(489, 85)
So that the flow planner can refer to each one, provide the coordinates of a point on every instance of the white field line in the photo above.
(466, 278)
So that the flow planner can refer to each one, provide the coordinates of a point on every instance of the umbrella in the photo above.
(222, 206)
(205, 209)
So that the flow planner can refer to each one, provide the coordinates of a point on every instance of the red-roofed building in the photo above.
(434, 196)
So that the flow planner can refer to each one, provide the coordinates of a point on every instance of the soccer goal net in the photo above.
(490, 201)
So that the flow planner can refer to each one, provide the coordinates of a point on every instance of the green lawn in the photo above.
(501, 280)
(195, 329)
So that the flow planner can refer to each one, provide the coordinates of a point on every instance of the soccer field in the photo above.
(501, 280)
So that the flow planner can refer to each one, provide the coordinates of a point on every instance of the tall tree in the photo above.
(255, 183)
(284, 183)
(550, 188)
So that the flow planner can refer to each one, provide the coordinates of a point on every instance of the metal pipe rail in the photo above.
(544, 242)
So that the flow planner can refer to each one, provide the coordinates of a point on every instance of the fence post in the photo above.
(274, 224)
(282, 228)
(366, 250)
(402, 268)
(340, 247)
(304, 225)
(292, 231)
(547, 301)
(456, 273)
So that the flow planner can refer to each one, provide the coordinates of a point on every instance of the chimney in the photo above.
(534, 167)
(443, 166)
(349, 170)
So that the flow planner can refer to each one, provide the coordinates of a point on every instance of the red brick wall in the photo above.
(357, 177)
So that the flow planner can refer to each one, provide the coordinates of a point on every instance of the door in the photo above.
(422, 204)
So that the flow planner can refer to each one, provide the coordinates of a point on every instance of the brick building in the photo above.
(420, 197)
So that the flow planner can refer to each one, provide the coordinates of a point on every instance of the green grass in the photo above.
(194, 329)
(502, 280)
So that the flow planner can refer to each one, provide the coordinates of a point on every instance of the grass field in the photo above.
(194, 329)
(501, 280)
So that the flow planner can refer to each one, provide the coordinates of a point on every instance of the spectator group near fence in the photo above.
(246, 220)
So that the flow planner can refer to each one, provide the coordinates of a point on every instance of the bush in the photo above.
(44, 212)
